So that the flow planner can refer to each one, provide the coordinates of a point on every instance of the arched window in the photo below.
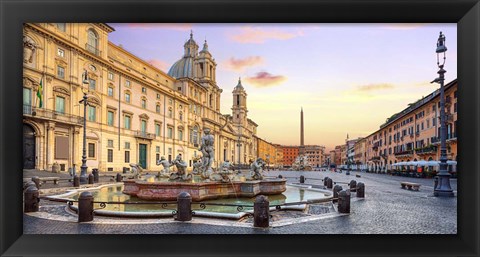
(92, 43)
(157, 108)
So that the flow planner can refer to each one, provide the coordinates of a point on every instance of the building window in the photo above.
(170, 133)
(157, 108)
(158, 96)
(194, 135)
(170, 112)
(144, 90)
(61, 52)
(144, 103)
(109, 155)
(91, 150)
(60, 104)
(61, 26)
(92, 84)
(180, 135)
(60, 72)
(157, 129)
(127, 97)
(110, 91)
(180, 116)
(110, 75)
(170, 101)
(92, 111)
(127, 122)
(143, 126)
(110, 118)
(92, 44)
(127, 156)
(157, 149)
(110, 143)
(127, 145)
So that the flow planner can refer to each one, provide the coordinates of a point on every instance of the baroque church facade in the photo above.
(136, 113)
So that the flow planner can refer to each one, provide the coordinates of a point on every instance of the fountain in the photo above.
(205, 183)
(301, 163)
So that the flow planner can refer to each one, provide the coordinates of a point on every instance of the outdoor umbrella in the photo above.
(422, 163)
(433, 163)
(452, 162)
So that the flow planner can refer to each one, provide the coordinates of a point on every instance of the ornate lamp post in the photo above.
(443, 187)
(83, 168)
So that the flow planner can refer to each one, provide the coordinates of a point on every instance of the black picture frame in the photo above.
(466, 13)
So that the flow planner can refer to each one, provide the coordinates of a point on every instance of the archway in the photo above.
(28, 147)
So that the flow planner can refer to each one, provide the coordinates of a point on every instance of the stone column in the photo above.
(50, 144)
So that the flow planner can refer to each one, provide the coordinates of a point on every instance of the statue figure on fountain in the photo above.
(181, 173)
(301, 163)
(207, 149)
(256, 169)
(166, 167)
(197, 165)
(136, 170)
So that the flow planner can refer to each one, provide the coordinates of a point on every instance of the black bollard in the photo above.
(95, 175)
(85, 207)
(336, 189)
(280, 176)
(90, 179)
(76, 181)
(31, 199)
(329, 183)
(325, 181)
(119, 177)
(261, 212)
(353, 186)
(360, 190)
(435, 182)
(302, 179)
(344, 201)
(184, 207)
(28, 184)
(36, 180)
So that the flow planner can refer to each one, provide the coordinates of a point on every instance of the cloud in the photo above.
(171, 26)
(252, 35)
(241, 64)
(265, 79)
(158, 64)
(404, 26)
(374, 87)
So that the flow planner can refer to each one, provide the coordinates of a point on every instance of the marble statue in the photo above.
(181, 173)
(136, 170)
(166, 167)
(256, 169)
(29, 48)
(207, 149)
(197, 165)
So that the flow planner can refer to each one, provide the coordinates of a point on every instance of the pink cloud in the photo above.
(265, 79)
(375, 87)
(158, 64)
(171, 26)
(259, 35)
(404, 26)
(241, 64)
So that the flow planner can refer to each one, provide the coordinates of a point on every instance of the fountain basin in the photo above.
(168, 191)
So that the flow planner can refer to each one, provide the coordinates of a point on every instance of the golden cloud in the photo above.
(241, 64)
(259, 36)
(374, 87)
(265, 79)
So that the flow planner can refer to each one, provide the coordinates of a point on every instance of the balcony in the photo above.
(450, 137)
(375, 158)
(144, 135)
(47, 114)
(426, 150)
(93, 49)
(406, 153)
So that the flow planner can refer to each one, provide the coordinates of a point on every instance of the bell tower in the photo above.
(205, 65)
(239, 108)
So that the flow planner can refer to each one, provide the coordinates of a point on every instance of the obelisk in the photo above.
(302, 147)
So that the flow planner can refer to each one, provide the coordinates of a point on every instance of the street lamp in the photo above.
(443, 186)
(83, 168)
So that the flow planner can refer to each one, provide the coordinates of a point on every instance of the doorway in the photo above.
(28, 147)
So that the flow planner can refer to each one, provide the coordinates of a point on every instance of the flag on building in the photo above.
(40, 93)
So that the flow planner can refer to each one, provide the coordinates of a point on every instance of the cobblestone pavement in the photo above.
(386, 209)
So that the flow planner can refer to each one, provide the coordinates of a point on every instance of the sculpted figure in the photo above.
(256, 169)
(207, 150)
(166, 167)
(136, 169)
(29, 48)
(181, 173)
(197, 165)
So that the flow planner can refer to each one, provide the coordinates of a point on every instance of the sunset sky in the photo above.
(349, 78)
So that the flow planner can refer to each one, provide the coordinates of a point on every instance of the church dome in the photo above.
(185, 66)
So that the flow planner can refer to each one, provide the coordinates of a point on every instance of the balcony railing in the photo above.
(144, 135)
(426, 150)
(52, 115)
(92, 49)
(450, 137)
(406, 153)
(375, 158)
